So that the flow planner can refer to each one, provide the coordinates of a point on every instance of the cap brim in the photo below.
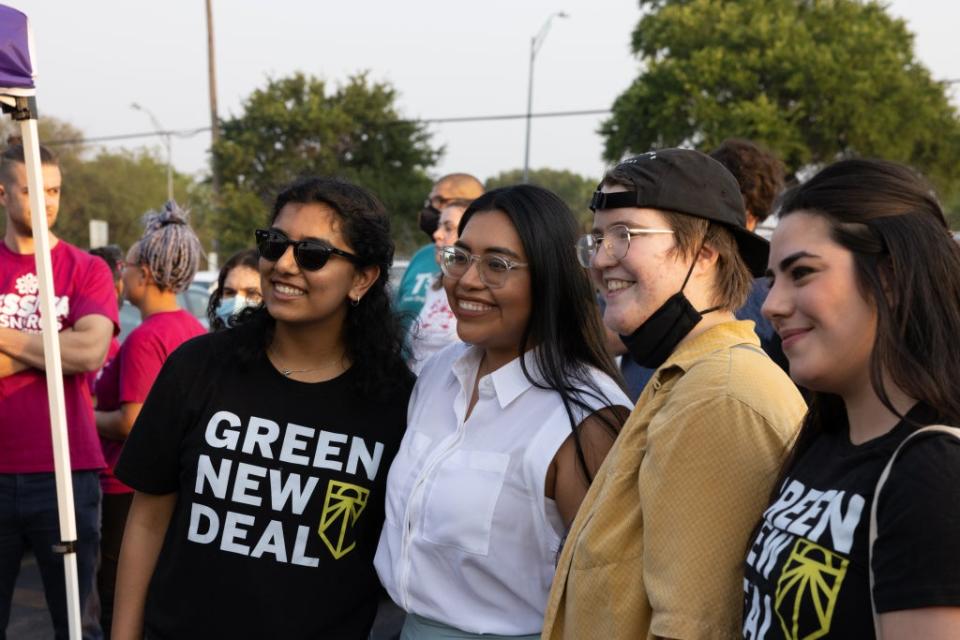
(754, 249)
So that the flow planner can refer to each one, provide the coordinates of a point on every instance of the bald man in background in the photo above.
(423, 265)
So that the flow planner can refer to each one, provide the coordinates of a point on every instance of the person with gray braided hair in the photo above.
(158, 266)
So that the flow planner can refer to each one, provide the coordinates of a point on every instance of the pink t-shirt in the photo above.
(129, 376)
(93, 376)
(83, 286)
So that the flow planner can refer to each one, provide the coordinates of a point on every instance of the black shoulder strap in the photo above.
(954, 431)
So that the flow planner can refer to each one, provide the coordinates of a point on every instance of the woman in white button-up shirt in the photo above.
(504, 430)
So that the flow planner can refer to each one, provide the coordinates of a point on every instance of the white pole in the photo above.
(54, 371)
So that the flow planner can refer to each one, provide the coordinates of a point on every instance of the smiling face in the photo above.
(494, 319)
(635, 286)
(294, 295)
(827, 326)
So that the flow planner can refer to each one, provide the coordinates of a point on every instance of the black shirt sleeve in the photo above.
(150, 458)
(916, 557)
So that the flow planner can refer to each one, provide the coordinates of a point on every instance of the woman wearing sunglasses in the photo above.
(865, 294)
(504, 432)
(260, 457)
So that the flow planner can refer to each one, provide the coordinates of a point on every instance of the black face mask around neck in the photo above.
(654, 340)
(659, 335)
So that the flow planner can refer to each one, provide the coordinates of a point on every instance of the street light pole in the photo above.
(535, 43)
(214, 118)
(167, 142)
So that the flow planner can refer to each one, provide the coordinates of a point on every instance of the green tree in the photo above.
(118, 187)
(295, 127)
(952, 209)
(815, 80)
(574, 189)
(65, 139)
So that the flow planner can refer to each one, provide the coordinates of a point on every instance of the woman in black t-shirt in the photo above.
(865, 294)
(260, 457)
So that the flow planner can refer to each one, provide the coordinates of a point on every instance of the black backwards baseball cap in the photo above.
(693, 183)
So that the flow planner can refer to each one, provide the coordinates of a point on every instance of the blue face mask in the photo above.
(228, 308)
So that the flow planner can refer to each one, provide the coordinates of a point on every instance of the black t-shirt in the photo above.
(807, 567)
(280, 496)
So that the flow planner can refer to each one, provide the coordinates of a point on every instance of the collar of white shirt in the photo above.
(508, 381)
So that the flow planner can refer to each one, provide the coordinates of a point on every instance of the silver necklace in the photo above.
(287, 372)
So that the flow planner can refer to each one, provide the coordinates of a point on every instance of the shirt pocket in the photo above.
(403, 473)
(458, 511)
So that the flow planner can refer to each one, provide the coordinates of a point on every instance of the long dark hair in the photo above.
(564, 323)
(374, 342)
(247, 258)
(906, 263)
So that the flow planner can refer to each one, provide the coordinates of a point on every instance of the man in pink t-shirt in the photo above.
(87, 317)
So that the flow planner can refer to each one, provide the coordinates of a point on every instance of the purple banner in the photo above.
(16, 69)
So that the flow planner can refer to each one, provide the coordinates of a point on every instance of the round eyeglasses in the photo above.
(492, 269)
(616, 242)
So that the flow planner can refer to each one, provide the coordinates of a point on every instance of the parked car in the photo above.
(193, 299)
(207, 279)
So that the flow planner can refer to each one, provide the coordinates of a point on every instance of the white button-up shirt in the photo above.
(470, 540)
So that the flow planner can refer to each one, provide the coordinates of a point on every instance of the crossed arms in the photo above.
(83, 347)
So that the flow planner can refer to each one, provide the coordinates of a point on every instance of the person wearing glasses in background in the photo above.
(413, 288)
(238, 288)
(260, 457)
(436, 325)
(504, 430)
(656, 549)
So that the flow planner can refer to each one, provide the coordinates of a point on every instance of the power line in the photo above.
(180, 133)
(187, 133)
(519, 116)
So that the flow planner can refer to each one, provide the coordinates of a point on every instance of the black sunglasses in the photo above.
(310, 255)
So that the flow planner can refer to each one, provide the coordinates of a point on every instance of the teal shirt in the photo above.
(412, 291)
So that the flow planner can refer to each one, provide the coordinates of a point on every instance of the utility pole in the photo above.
(214, 119)
(535, 43)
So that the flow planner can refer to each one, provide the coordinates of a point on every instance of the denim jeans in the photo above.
(29, 519)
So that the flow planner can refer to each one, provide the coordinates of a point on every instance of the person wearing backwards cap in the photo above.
(656, 548)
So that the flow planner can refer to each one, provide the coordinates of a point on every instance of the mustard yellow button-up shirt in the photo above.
(657, 547)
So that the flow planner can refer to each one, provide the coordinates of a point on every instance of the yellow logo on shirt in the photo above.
(808, 587)
(342, 507)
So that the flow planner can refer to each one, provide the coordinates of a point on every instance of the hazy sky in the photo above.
(446, 58)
